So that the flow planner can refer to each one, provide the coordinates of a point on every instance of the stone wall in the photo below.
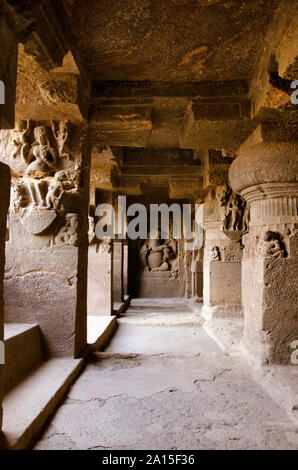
(46, 266)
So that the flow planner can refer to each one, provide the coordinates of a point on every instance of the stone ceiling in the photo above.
(173, 40)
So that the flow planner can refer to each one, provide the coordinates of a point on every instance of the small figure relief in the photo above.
(156, 256)
(143, 254)
(214, 254)
(43, 157)
(91, 231)
(271, 246)
(68, 234)
(20, 197)
(105, 245)
(21, 139)
(61, 134)
(174, 270)
(54, 194)
(233, 211)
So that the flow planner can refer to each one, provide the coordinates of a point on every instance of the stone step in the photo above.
(27, 407)
(23, 352)
(100, 331)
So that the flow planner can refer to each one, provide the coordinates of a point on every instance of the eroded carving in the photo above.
(105, 245)
(91, 231)
(271, 245)
(68, 234)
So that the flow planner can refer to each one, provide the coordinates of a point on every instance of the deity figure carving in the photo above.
(214, 254)
(155, 255)
(61, 135)
(233, 210)
(68, 234)
(42, 156)
(21, 139)
(271, 246)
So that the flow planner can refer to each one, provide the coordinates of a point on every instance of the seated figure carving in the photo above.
(156, 256)
(43, 158)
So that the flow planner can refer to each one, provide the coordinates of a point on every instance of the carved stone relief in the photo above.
(271, 246)
(91, 232)
(49, 173)
(226, 254)
(156, 255)
(233, 211)
(105, 245)
(68, 234)
(214, 253)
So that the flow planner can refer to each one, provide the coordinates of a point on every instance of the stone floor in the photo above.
(167, 387)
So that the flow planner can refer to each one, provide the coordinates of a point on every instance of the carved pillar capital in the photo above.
(265, 176)
(265, 170)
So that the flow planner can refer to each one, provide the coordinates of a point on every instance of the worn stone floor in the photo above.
(163, 383)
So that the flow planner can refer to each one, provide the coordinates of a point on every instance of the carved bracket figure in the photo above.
(233, 212)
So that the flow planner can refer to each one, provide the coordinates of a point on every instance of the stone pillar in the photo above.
(46, 252)
(223, 222)
(197, 275)
(100, 268)
(222, 258)
(4, 203)
(125, 268)
(118, 271)
(8, 70)
(265, 175)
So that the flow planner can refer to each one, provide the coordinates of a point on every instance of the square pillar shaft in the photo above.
(4, 203)
(118, 271)
(100, 269)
